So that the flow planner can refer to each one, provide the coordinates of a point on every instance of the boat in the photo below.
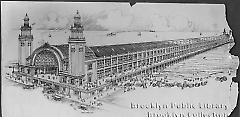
(49, 35)
(84, 108)
(111, 34)
(139, 34)
(152, 31)
(221, 79)
(28, 87)
(197, 84)
(57, 97)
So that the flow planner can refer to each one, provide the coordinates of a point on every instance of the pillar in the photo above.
(78, 82)
(38, 82)
(60, 90)
(57, 71)
(79, 95)
(67, 80)
(31, 70)
(26, 80)
(21, 79)
(65, 91)
(44, 70)
(53, 86)
(68, 91)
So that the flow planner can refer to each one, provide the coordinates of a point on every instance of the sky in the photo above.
(116, 16)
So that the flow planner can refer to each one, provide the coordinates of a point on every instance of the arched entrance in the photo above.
(46, 62)
(47, 59)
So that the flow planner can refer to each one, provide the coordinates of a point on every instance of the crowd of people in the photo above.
(149, 81)
(159, 82)
(221, 79)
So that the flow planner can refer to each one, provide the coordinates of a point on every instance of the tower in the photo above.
(76, 50)
(25, 40)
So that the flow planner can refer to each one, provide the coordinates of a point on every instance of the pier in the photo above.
(84, 73)
(154, 61)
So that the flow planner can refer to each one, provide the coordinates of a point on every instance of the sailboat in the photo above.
(111, 34)
(151, 30)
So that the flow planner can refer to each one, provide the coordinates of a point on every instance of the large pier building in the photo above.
(81, 70)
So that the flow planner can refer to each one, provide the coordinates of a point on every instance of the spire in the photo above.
(26, 17)
(77, 15)
(77, 20)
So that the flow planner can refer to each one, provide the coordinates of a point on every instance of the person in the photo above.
(229, 72)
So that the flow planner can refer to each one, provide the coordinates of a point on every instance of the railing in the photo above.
(196, 50)
(61, 84)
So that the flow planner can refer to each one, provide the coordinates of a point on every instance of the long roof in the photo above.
(109, 50)
(94, 52)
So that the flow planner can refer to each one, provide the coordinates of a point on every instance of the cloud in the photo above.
(116, 20)
(56, 21)
(165, 18)
(120, 16)
(53, 20)
(90, 22)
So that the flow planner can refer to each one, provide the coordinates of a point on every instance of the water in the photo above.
(217, 61)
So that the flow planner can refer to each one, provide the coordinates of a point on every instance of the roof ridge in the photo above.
(127, 43)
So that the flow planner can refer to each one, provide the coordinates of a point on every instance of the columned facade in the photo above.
(149, 61)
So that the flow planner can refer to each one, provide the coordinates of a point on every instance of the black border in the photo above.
(232, 8)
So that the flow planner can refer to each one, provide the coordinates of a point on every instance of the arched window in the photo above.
(72, 48)
(22, 44)
(29, 43)
(81, 49)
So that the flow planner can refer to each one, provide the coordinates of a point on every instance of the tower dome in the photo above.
(77, 15)
(77, 20)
